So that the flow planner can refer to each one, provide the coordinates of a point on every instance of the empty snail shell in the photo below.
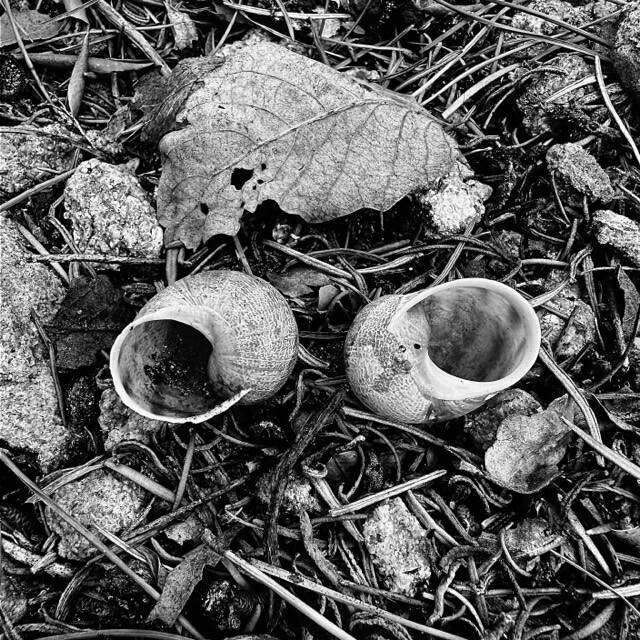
(441, 352)
(203, 344)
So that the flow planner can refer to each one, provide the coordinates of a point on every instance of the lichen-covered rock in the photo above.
(29, 419)
(538, 99)
(618, 232)
(398, 547)
(626, 50)
(482, 425)
(455, 203)
(100, 498)
(119, 423)
(32, 156)
(578, 173)
(535, 24)
(110, 212)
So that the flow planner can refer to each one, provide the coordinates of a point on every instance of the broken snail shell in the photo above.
(441, 352)
(203, 344)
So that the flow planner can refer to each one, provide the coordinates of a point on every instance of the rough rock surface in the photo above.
(100, 498)
(482, 425)
(619, 232)
(579, 331)
(538, 98)
(298, 494)
(578, 172)
(626, 51)
(455, 203)
(398, 547)
(119, 423)
(29, 417)
(32, 156)
(110, 212)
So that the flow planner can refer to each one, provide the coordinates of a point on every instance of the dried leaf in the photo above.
(89, 319)
(271, 124)
(530, 537)
(298, 281)
(32, 26)
(75, 90)
(184, 31)
(161, 99)
(181, 582)
(631, 299)
(527, 450)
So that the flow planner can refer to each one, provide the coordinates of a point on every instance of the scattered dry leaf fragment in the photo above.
(32, 26)
(13, 78)
(482, 425)
(619, 232)
(110, 212)
(99, 498)
(184, 30)
(29, 419)
(272, 124)
(578, 173)
(30, 155)
(398, 546)
(579, 331)
(88, 320)
(298, 281)
(298, 494)
(530, 537)
(525, 456)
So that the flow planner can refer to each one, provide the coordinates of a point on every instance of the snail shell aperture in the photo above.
(442, 352)
(203, 344)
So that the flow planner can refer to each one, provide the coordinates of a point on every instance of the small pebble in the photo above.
(100, 498)
(13, 79)
(33, 156)
(110, 212)
(119, 423)
(398, 546)
(29, 420)
(578, 173)
(455, 203)
(618, 232)
(626, 51)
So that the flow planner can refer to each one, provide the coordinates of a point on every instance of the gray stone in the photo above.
(626, 51)
(101, 499)
(539, 97)
(110, 212)
(29, 419)
(119, 423)
(32, 155)
(578, 173)
(398, 546)
(579, 331)
(618, 232)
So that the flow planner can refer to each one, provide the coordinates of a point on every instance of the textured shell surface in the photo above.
(235, 328)
(442, 352)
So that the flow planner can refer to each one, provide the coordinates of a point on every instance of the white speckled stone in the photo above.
(110, 212)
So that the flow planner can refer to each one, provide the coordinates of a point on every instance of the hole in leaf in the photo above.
(416, 346)
(260, 181)
(240, 177)
(263, 166)
(204, 208)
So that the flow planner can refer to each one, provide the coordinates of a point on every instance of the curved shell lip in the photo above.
(160, 314)
(450, 387)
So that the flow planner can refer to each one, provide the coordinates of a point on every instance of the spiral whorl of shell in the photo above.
(204, 343)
